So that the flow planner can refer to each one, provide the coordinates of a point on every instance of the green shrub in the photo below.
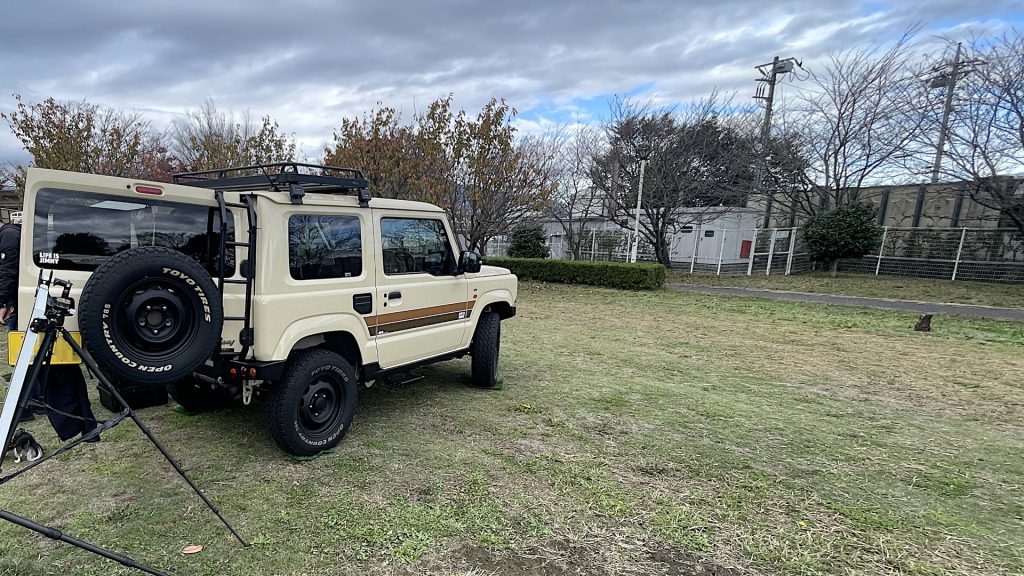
(849, 231)
(610, 274)
(528, 243)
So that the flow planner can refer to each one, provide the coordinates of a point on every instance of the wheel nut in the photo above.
(156, 331)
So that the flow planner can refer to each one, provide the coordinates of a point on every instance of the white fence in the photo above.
(982, 254)
(697, 249)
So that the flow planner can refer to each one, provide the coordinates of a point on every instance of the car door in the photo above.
(424, 308)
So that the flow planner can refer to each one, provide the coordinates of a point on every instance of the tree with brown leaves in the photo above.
(83, 137)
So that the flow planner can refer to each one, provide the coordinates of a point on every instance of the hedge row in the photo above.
(611, 274)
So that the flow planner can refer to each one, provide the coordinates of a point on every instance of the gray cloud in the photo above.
(309, 62)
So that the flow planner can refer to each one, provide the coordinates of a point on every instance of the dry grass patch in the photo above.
(637, 433)
(869, 286)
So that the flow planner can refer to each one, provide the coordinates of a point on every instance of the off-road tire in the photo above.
(150, 315)
(485, 349)
(311, 408)
(195, 395)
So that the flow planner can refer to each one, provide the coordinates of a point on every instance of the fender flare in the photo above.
(323, 324)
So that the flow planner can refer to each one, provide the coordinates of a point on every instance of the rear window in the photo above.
(76, 230)
(324, 246)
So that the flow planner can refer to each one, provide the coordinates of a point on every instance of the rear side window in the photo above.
(76, 230)
(413, 245)
(322, 246)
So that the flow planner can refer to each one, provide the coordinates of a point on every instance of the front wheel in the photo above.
(310, 410)
(485, 349)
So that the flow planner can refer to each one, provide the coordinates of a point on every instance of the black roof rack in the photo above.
(295, 178)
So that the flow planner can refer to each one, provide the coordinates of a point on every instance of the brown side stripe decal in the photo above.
(418, 318)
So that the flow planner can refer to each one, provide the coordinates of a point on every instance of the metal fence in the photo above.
(982, 254)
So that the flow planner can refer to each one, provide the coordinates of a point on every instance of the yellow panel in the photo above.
(62, 352)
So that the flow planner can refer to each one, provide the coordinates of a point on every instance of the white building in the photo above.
(708, 229)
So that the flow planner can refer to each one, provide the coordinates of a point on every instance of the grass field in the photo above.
(868, 285)
(636, 433)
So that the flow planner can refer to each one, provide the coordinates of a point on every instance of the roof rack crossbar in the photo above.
(279, 176)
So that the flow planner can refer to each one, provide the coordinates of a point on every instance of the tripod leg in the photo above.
(103, 427)
(39, 367)
(55, 534)
(91, 364)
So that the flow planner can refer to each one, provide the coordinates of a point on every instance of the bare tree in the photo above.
(576, 199)
(698, 158)
(208, 138)
(858, 121)
(986, 135)
(8, 177)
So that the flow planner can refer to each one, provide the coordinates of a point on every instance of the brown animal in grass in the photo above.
(924, 324)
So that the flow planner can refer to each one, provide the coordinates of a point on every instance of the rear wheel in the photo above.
(310, 410)
(196, 395)
(485, 349)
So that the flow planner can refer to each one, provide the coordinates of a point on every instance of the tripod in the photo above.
(47, 320)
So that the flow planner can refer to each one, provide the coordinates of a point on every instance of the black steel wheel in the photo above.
(310, 410)
(150, 315)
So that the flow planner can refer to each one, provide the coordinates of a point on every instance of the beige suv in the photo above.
(283, 281)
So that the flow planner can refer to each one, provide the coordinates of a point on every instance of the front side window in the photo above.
(76, 230)
(322, 246)
(415, 245)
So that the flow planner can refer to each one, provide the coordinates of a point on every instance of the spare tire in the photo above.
(150, 315)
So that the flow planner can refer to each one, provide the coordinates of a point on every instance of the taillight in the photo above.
(151, 190)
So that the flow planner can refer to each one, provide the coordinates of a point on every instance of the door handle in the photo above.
(394, 295)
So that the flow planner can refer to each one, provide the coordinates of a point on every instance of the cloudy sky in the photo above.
(308, 63)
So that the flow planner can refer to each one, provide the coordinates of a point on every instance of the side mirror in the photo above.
(469, 261)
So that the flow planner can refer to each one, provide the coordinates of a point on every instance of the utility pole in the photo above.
(947, 79)
(770, 73)
(639, 199)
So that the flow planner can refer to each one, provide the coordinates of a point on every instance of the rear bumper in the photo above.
(233, 371)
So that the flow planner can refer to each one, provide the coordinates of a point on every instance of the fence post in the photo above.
(696, 244)
(792, 247)
(881, 249)
(754, 250)
(959, 250)
(771, 253)
(593, 243)
(721, 252)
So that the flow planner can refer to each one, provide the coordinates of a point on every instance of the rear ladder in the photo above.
(246, 336)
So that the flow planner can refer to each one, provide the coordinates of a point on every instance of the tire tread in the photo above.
(485, 350)
(280, 415)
